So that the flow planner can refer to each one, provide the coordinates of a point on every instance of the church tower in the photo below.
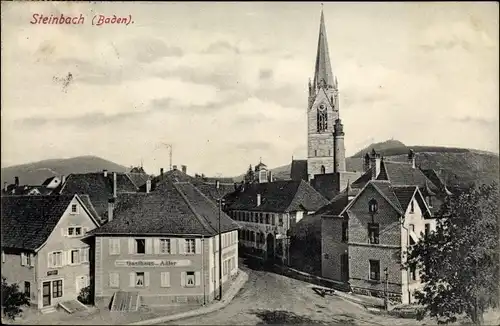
(322, 112)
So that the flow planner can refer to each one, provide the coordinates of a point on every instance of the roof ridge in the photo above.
(198, 216)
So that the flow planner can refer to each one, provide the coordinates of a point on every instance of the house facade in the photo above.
(365, 243)
(42, 247)
(163, 246)
(268, 213)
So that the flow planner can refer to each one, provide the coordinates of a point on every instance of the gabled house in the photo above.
(162, 247)
(42, 247)
(369, 233)
(269, 212)
(99, 186)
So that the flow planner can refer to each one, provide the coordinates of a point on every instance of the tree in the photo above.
(85, 295)
(250, 175)
(459, 262)
(12, 299)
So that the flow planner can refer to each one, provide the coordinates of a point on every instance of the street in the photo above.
(269, 298)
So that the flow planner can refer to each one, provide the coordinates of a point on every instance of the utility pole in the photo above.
(386, 288)
(169, 146)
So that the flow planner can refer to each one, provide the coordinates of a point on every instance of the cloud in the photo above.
(265, 74)
(482, 122)
(221, 47)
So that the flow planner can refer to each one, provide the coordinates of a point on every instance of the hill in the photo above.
(460, 166)
(37, 172)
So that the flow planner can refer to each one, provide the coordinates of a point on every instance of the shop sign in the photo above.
(51, 273)
(152, 263)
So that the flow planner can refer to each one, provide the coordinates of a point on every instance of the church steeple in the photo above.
(323, 75)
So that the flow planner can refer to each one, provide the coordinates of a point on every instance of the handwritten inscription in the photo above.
(97, 20)
(152, 263)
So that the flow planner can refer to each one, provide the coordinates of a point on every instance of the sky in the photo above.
(226, 83)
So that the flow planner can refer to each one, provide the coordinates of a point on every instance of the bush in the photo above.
(12, 299)
(85, 295)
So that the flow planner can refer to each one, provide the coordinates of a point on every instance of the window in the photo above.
(74, 209)
(322, 118)
(114, 280)
(315, 152)
(27, 289)
(165, 279)
(413, 273)
(345, 231)
(372, 206)
(373, 233)
(84, 255)
(75, 231)
(140, 246)
(165, 246)
(261, 218)
(267, 219)
(114, 246)
(55, 259)
(190, 281)
(273, 220)
(57, 289)
(190, 246)
(26, 259)
(427, 229)
(75, 257)
(139, 279)
(323, 170)
(412, 207)
(375, 270)
(280, 220)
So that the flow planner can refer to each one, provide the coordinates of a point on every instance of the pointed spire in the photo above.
(323, 69)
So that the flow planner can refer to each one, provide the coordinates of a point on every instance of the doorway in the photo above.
(270, 246)
(344, 267)
(81, 282)
(46, 294)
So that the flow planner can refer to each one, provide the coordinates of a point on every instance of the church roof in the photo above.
(323, 68)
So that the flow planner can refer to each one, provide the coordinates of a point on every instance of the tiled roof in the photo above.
(335, 206)
(404, 194)
(173, 208)
(27, 221)
(25, 189)
(278, 196)
(386, 189)
(362, 180)
(48, 181)
(403, 174)
(139, 179)
(214, 194)
(98, 187)
(298, 170)
(90, 207)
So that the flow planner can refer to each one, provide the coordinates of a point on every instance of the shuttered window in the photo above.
(114, 280)
(114, 246)
(165, 279)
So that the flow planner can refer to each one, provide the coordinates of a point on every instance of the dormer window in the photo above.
(372, 206)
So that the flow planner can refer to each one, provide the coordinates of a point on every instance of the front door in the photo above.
(46, 294)
(344, 267)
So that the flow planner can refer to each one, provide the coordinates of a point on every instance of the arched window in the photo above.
(322, 118)
(322, 169)
(372, 206)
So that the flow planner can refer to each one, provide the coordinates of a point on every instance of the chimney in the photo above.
(148, 186)
(111, 208)
(105, 173)
(366, 162)
(63, 179)
(161, 173)
(258, 200)
(114, 184)
(16, 181)
(375, 164)
(184, 169)
(5, 186)
(411, 158)
(217, 184)
(174, 167)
